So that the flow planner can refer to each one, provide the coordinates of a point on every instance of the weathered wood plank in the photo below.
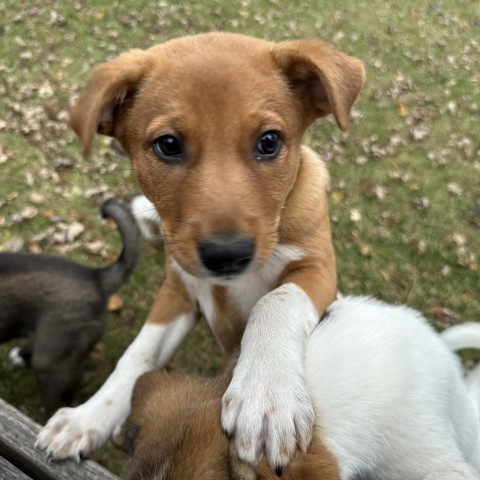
(17, 436)
(10, 472)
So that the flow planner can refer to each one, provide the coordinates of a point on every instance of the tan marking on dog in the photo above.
(315, 272)
(171, 301)
(177, 425)
(227, 326)
(219, 115)
(218, 93)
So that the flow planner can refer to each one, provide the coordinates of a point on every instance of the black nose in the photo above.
(226, 254)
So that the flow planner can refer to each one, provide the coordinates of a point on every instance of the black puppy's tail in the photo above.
(113, 276)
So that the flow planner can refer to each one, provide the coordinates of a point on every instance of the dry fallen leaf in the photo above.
(66, 247)
(74, 230)
(422, 203)
(337, 196)
(47, 213)
(459, 240)
(5, 155)
(402, 110)
(355, 215)
(37, 198)
(419, 133)
(96, 247)
(378, 192)
(26, 214)
(444, 316)
(34, 247)
(413, 241)
(115, 303)
(446, 270)
(454, 189)
(13, 245)
(365, 249)
(91, 192)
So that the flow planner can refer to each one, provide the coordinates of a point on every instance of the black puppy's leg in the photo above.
(57, 378)
(58, 360)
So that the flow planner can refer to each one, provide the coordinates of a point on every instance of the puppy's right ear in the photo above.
(100, 105)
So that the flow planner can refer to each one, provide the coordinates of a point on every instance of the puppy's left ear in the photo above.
(326, 80)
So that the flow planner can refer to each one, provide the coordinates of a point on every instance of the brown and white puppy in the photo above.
(389, 398)
(174, 433)
(213, 125)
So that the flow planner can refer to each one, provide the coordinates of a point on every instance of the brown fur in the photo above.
(227, 327)
(219, 92)
(175, 429)
(171, 301)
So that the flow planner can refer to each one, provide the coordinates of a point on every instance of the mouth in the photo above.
(224, 279)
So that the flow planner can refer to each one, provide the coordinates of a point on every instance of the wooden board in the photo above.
(11, 472)
(17, 436)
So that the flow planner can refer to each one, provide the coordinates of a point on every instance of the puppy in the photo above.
(61, 307)
(389, 398)
(213, 125)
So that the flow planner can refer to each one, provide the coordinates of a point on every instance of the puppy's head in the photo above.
(213, 126)
(174, 433)
(174, 429)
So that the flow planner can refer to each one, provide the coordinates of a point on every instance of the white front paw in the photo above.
(70, 433)
(272, 415)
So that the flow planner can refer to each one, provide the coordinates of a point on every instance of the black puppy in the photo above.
(61, 307)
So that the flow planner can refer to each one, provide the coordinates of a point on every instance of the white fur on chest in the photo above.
(246, 290)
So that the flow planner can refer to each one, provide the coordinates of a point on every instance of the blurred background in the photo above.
(405, 193)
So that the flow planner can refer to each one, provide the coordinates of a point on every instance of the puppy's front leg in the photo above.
(267, 407)
(74, 432)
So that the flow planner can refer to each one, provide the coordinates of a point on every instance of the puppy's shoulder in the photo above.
(312, 163)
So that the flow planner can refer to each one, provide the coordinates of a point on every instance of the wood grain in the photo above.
(17, 436)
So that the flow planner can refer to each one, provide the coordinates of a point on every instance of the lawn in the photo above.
(405, 194)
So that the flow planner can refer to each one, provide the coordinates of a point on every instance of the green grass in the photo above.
(422, 61)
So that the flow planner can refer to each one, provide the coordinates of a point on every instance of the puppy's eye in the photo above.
(268, 146)
(168, 148)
